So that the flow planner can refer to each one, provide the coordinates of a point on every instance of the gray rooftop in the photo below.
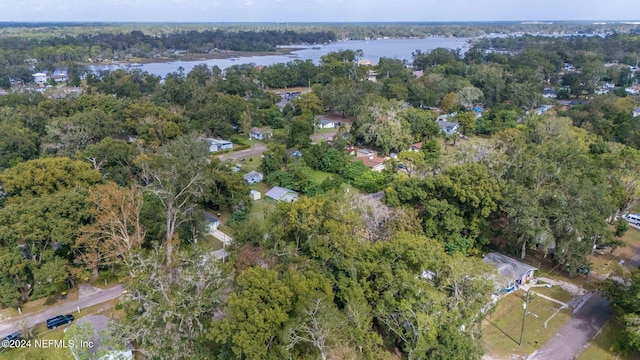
(250, 175)
(509, 268)
(277, 192)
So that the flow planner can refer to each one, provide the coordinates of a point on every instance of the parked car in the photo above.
(13, 336)
(59, 320)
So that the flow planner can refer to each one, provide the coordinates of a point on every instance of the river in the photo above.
(373, 50)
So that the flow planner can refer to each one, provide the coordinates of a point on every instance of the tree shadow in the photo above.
(502, 331)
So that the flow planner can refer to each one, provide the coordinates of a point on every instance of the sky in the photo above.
(316, 10)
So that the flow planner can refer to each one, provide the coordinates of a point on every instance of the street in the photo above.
(258, 148)
(70, 307)
(577, 332)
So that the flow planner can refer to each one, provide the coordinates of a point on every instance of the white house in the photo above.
(327, 124)
(633, 90)
(255, 195)
(448, 127)
(59, 77)
(512, 272)
(260, 134)
(216, 145)
(253, 177)
(549, 93)
(636, 112)
(212, 222)
(278, 193)
(542, 109)
(40, 78)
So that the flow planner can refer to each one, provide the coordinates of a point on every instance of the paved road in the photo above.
(70, 307)
(577, 332)
(258, 148)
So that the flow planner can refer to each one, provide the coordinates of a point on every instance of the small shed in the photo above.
(255, 195)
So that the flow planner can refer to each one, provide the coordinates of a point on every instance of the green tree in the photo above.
(467, 121)
(256, 313)
(169, 311)
(39, 177)
(275, 159)
(176, 171)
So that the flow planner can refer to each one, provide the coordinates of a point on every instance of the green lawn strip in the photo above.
(501, 329)
(240, 140)
(260, 209)
(317, 176)
(212, 243)
(555, 292)
(604, 346)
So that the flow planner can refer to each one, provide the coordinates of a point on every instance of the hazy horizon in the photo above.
(305, 11)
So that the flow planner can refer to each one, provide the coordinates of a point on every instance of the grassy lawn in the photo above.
(261, 209)
(604, 345)
(250, 163)
(501, 329)
(42, 333)
(555, 292)
(240, 139)
(317, 176)
(212, 242)
(38, 305)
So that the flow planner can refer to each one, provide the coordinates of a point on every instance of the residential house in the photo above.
(448, 127)
(566, 104)
(327, 124)
(59, 77)
(260, 134)
(216, 145)
(549, 93)
(512, 272)
(374, 163)
(294, 153)
(542, 109)
(633, 90)
(255, 195)
(372, 76)
(211, 221)
(278, 193)
(416, 147)
(365, 153)
(40, 78)
(636, 112)
(253, 177)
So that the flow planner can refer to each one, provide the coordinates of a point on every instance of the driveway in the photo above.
(577, 332)
(71, 307)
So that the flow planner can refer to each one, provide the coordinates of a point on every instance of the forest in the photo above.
(113, 183)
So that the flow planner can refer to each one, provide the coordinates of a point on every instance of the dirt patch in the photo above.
(87, 290)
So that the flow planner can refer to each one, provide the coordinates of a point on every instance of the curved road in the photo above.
(577, 332)
(71, 307)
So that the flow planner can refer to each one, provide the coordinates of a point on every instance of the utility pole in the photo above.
(524, 315)
(524, 307)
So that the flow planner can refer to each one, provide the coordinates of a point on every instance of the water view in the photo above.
(373, 50)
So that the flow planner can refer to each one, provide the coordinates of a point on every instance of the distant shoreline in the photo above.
(202, 57)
